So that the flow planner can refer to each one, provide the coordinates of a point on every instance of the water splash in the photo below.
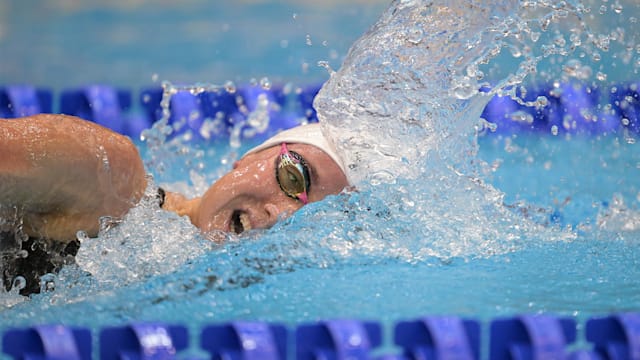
(405, 92)
(170, 149)
(404, 109)
(418, 80)
(619, 218)
(140, 246)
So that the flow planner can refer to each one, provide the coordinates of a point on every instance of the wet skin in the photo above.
(249, 194)
(60, 174)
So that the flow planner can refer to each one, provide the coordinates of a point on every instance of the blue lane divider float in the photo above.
(337, 339)
(101, 104)
(262, 112)
(305, 98)
(104, 105)
(142, 341)
(249, 112)
(571, 108)
(530, 337)
(625, 102)
(221, 109)
(48, 342)
(24, 100)
(186, 112)
(245, 341)
(616, 336)
(439, 337)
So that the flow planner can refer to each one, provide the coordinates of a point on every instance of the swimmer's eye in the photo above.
(292, 174)
(291, 180)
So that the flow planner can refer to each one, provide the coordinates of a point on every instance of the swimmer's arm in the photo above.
(63, 173)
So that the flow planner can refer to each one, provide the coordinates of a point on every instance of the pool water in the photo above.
(140, 43)
(268, 277)
(580, 179)
(522, 223)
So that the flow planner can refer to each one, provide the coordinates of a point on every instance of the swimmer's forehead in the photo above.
(310, 134)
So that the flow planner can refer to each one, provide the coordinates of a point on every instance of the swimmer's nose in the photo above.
(273, 212)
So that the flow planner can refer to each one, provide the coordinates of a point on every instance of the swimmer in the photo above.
(60, 174)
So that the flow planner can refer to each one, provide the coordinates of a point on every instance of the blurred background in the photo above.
(133, 43)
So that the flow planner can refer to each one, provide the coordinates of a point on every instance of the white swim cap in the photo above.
(310, 134)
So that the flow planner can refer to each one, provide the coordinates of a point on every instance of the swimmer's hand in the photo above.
(62, 173)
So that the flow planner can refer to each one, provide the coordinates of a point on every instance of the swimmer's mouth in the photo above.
(240, 222)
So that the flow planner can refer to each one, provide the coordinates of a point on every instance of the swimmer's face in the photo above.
(250, 197)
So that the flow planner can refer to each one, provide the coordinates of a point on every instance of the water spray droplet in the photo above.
(414, 35)
(515, 51)
(230, 87)
(325, 65)
(521, 117)
(603, 9)
(560, 41)
(19, 283)
(464, 88)
(574, 68)
(535, 36)
(265, 83)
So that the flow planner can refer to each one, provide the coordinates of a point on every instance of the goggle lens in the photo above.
(292, 174)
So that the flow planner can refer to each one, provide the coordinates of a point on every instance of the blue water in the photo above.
(578, 178)
(568, 243)
(135, 44)
(269, 277)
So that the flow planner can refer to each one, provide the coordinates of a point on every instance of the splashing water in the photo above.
(410, 88)
(170, 148)
(403, 94)
(404, 110)
(123, 254)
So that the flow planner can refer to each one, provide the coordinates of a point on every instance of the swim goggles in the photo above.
(292, 174)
